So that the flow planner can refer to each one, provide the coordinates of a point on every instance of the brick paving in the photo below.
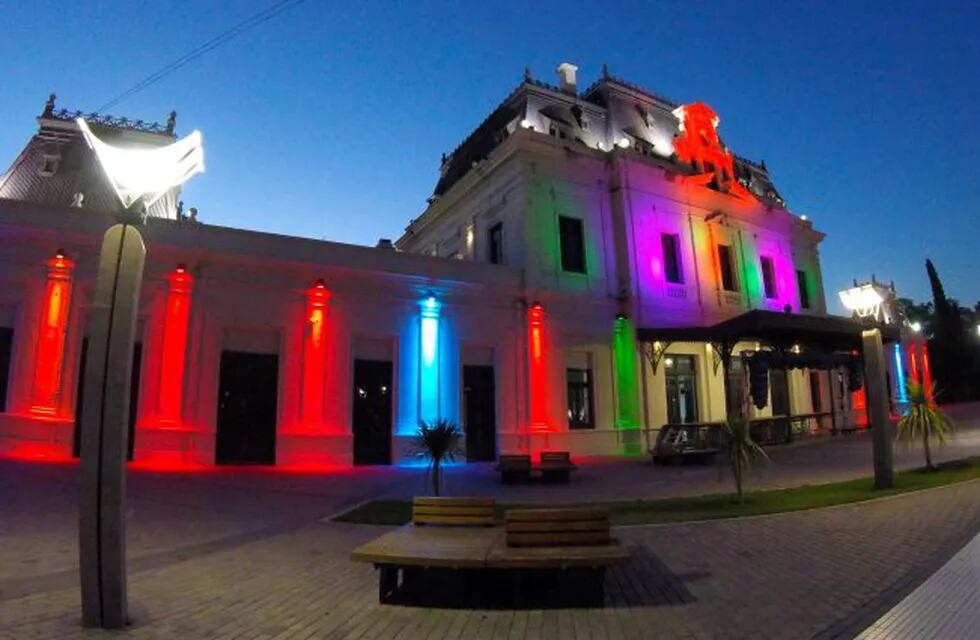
(946, 606)
(238, 554)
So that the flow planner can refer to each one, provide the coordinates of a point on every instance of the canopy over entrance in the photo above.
(825, 334)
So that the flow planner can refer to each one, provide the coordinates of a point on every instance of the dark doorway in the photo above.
(134, 386)
(480, 415)
(371, 415)
(247, 400)
(779, 388)
(6, 347)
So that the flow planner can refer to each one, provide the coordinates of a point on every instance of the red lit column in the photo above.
(176, 321)
(926, 373)
(314, 356)
(914, 363)
(537, 369)
(50, 355)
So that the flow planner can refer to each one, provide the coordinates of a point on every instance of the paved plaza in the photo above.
(252, 554)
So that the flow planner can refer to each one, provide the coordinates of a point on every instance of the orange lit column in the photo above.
(176, 321)
(537, 369)
(314, 357)
(50, 354)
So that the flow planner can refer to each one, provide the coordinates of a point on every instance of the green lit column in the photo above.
(627, 389)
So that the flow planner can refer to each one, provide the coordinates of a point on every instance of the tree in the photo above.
(923, 420)
(437, 441)
(951, 356)
(740, 452)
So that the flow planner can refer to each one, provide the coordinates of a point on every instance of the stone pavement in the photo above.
(946, 606)
(242, 554)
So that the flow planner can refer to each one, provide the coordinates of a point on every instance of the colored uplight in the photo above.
(176, 321)
(624, 358)
(698, 144)
(149, 173)
(429, 359)
(537, 368)
(900, 374)
(926, 373)
(314, 356)
(50, 354)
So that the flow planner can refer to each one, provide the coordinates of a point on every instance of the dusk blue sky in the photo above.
(329, 120)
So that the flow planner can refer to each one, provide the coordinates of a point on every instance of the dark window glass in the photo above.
(495, 243)
(579, 383)
(682, 396)
(804, 290)
(6, 346)
(727, 263)
(572, 238)
(736, 382)
(768, 277)
(672, 259)
(815, 399)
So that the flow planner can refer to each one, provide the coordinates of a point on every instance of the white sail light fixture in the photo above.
(147, 173)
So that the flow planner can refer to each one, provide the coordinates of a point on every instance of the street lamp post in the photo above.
(866, 303)
(139, 178)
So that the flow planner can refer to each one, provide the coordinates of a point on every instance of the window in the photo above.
(682, 396)
(670, 242)
(804, 290)
(571, 234)
(816, 403)
(768, 277)
(6, 345)
(495, 243)
(726, 261)
(579, 383)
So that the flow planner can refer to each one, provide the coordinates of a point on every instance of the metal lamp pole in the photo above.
(139, 177)
(104, 423)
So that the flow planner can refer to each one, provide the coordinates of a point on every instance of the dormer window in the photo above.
(49, 165)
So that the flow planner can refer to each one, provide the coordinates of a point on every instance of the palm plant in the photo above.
(923, 420)
(438, 441)
(740, 452)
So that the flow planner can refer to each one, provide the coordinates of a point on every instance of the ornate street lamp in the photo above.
(867, 304)
(139, 177)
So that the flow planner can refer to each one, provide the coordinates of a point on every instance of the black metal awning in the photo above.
(784, 330)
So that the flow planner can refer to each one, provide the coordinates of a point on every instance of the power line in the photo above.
(247, 24)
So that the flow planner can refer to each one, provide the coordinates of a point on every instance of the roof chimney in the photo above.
(566, 77)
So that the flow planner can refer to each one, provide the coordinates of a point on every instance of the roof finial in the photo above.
(49, 106)
(527, 75)
(605, 71)
(171, 121)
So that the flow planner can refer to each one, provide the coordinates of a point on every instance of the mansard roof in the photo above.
(57, 164)
(611, 111)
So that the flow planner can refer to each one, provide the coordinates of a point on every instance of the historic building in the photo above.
(568, 234)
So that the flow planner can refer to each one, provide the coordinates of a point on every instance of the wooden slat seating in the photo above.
(453, 512)
(579, 526)
(556, 466)
(514, 468)
(538, 541)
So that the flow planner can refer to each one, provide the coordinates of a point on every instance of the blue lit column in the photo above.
(429, 359)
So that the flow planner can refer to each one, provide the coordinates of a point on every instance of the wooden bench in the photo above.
(453, 512)
(450, 533)
(576, 539)
(556, 466)
(514, 468)
(533, 541)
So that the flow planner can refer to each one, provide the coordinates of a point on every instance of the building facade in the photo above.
(564, 223)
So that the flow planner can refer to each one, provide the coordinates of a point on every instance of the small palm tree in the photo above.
(924, 420)
(740, 452)
(438, 441)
